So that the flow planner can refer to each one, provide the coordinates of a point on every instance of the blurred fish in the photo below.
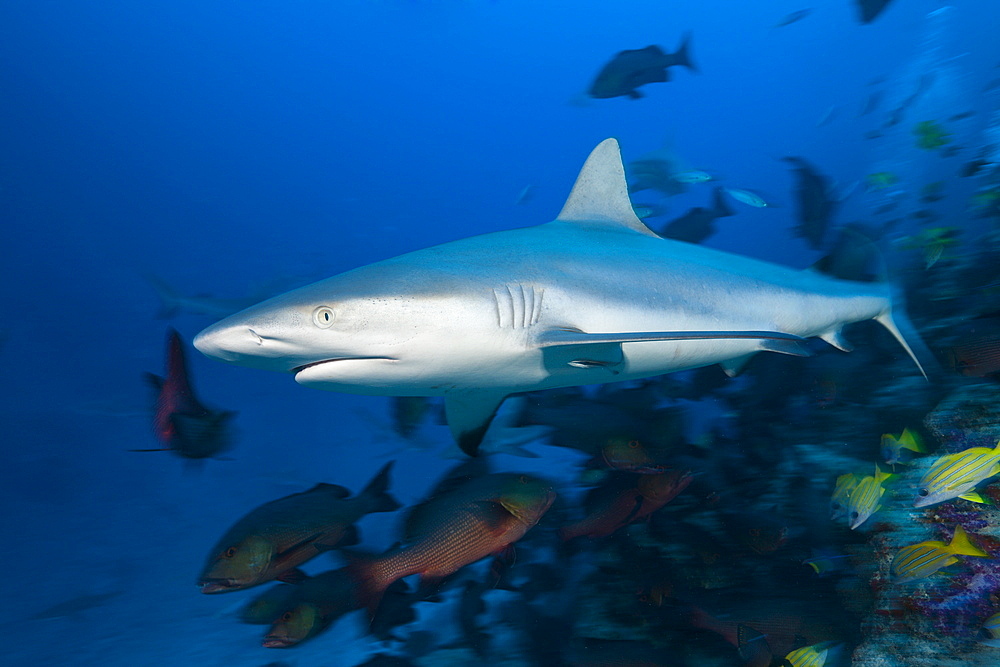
(976, 349)
(825, 562)
(854, 254)
(747, 197)
(932, 242)
(313, 607)
(761, 532)
(656, 170)
(871, 102)
(828, 116)
(273, 540)
(623, 500)
(810, 656)
(925, 558)
(180, 421)
(880, 180)
(924, 84)
(893, 445)
(793, 17)
(692, 176)
(407, 413)
(632, 456)
(173, 303)
(989, 633)
(957, 475)
(74, 606)
(752, 647)
(815, 204)
(840, 499)
(869, 10)
(643, 211)
(264, 608)
(395, 610)
(631, 69)
(992, 85)
(973, 167)
(866, 498)
(930, 135)
(699, 223)
(526, 195)
(932, 192)
(483, 516)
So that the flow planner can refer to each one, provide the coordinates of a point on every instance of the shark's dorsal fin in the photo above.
(600, 194)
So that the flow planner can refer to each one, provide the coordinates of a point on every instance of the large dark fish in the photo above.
(481, 517)
(976, 350)
(634, 68)
(815, 204)
(273, 540)
(699, 223)
(869, 10)
(181, 423)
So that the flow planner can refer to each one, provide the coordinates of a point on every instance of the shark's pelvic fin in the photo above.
(554, 337)
(469, 415)
(600, 194)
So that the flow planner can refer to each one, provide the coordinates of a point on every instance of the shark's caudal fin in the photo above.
(898, 324)
(600, 194)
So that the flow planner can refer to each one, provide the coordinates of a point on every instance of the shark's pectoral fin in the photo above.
(469, 415)
(567, 336)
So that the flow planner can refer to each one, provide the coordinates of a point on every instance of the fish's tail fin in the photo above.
(377, 491)
(894, 319)
(369, 587)
(962, 546)
(683, 54)
(720, 208)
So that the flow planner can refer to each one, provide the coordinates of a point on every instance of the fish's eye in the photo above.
(633, 443)
(523, 479)
(855, 515)
(230, 552)
(287, 616)
(924, 492)
(323, 317)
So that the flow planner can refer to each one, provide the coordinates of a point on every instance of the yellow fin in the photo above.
(961, 545)
(912, 441)
(974, 497)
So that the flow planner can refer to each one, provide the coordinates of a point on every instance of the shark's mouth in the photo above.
(313, 364)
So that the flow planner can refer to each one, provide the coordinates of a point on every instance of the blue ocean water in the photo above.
(243, 149)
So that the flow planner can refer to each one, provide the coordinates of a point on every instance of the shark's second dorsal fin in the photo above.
(600, 194)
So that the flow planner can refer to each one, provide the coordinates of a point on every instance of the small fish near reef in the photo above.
(989, 633)
(482, 517)
(866, 498)
(957, 476)
(273, 540)
(892, 446)
(632, 69)
(592, 297)
(925, 558)
(180, 421)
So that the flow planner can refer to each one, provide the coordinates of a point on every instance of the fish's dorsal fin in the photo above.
(600, 194)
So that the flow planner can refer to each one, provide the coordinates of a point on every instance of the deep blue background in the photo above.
(229, 146)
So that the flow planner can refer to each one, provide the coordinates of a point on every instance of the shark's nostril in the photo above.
(260, 341)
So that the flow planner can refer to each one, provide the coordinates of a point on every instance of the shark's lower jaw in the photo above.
(338, 370)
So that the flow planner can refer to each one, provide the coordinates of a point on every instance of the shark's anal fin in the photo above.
(565, 336)
(469, 415)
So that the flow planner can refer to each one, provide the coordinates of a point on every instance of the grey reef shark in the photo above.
(593, 296)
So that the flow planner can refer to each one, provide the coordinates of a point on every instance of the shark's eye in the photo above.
(323, 317)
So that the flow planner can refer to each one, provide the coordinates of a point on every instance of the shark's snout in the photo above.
(230, 343)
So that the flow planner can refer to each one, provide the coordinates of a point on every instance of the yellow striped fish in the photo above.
(892, 446)
(989, 634)
(925, 558)
(956, 475)
(809, 656)
(866, 498)
(841, 494)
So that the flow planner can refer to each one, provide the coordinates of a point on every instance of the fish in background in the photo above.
(173, 303)
(180, 421)
(975, 350)
(631, 69)
(793, 17)
(869, 10)
(892, 446)
(75, 606)
(311, 608)
(699, 223)
(658, 170)
(815, 203)
(749, 197)
(989, 633)
(274, 539)
(462, 522)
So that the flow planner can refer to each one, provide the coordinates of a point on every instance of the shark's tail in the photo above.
(894, 319)
(683, 54)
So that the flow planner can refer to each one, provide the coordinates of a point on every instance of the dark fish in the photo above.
(793, 17)
(815, 205)
(395, 610)
(963, 115)
(468, 522)
(631, 69)
(625, 499)
(267, 606)
(873, 134)
(886, 208)
(854, 255)
(976, 350)
(871, 102)
(181, 423)
(312, 608)
(869, 10)
(973, 167)
(75, 606)
(407, 413)
(753, 647)
(699, 223)
(273, 540)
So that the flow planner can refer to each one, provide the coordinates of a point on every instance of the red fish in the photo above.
(180, 421)
(626, 499)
